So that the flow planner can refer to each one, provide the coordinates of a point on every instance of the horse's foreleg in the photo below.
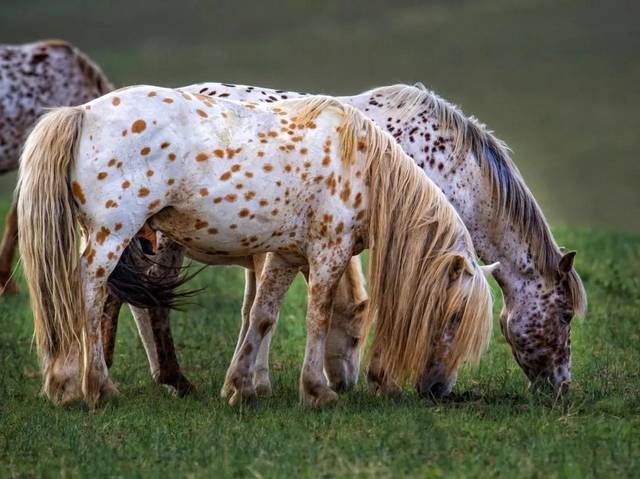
(377, 380)
(8, 250)
(274, 283)
(323, 280)
(261, 377)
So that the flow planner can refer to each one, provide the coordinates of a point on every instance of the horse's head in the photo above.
(344, 345)
(346, 336)
(537, 324)
(466, 331)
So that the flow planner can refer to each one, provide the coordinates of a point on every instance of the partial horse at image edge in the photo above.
(71, 78)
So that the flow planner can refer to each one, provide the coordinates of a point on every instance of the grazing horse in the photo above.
(225, 181)
(54, 73)
(34, 77)
(541, 289)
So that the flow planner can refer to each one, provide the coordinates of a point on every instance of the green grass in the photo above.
(499, 428)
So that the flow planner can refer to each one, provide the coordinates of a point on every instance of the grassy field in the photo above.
(495, 427)
(556, 79)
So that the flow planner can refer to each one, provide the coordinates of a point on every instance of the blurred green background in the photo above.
(558, 80)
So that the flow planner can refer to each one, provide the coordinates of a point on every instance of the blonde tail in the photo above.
(49, 242)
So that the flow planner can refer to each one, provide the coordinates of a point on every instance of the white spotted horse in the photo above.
(41, 75)
(34, 77)
(186, 165)
(541, 289)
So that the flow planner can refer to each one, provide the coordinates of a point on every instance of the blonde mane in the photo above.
(416, 238)
(511, 196)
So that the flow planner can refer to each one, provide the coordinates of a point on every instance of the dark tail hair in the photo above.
(145, 283)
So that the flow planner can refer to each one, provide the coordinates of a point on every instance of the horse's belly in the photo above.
(229, 232)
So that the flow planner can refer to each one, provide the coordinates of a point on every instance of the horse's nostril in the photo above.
(438, 390)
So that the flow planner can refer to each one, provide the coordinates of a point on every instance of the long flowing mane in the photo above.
(511, 196)
(415, 239)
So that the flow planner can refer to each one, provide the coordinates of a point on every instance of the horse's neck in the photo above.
(465, 186)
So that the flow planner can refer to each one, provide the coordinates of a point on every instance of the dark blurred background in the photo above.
(558, 80)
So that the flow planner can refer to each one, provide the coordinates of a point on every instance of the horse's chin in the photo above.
(436, 387)
(341, 376)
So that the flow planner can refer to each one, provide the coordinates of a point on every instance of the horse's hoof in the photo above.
(263, 389)
(383, 389)
(245, 396)
(326, 398)
(225, 391)
(184, 387)
(322, 397)
(109, 392)
(177, 384)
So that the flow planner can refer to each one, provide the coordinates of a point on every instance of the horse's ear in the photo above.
(458, 266)
(361, 307)
(490, 268)
(566, 262)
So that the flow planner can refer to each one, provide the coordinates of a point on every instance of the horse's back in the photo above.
(215, 175)
(37, 76)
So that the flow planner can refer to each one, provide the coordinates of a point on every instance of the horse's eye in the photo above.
(354, 341)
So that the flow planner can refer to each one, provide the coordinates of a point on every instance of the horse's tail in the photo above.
(144, 282)
(49, 241)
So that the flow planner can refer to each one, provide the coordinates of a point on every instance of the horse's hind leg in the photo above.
(247, 303)
(261, 378)
(274, 283)
(8, 250)
(154, 328)
(154, 324)
(101, 255)
(109, 327)
(97, 263)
